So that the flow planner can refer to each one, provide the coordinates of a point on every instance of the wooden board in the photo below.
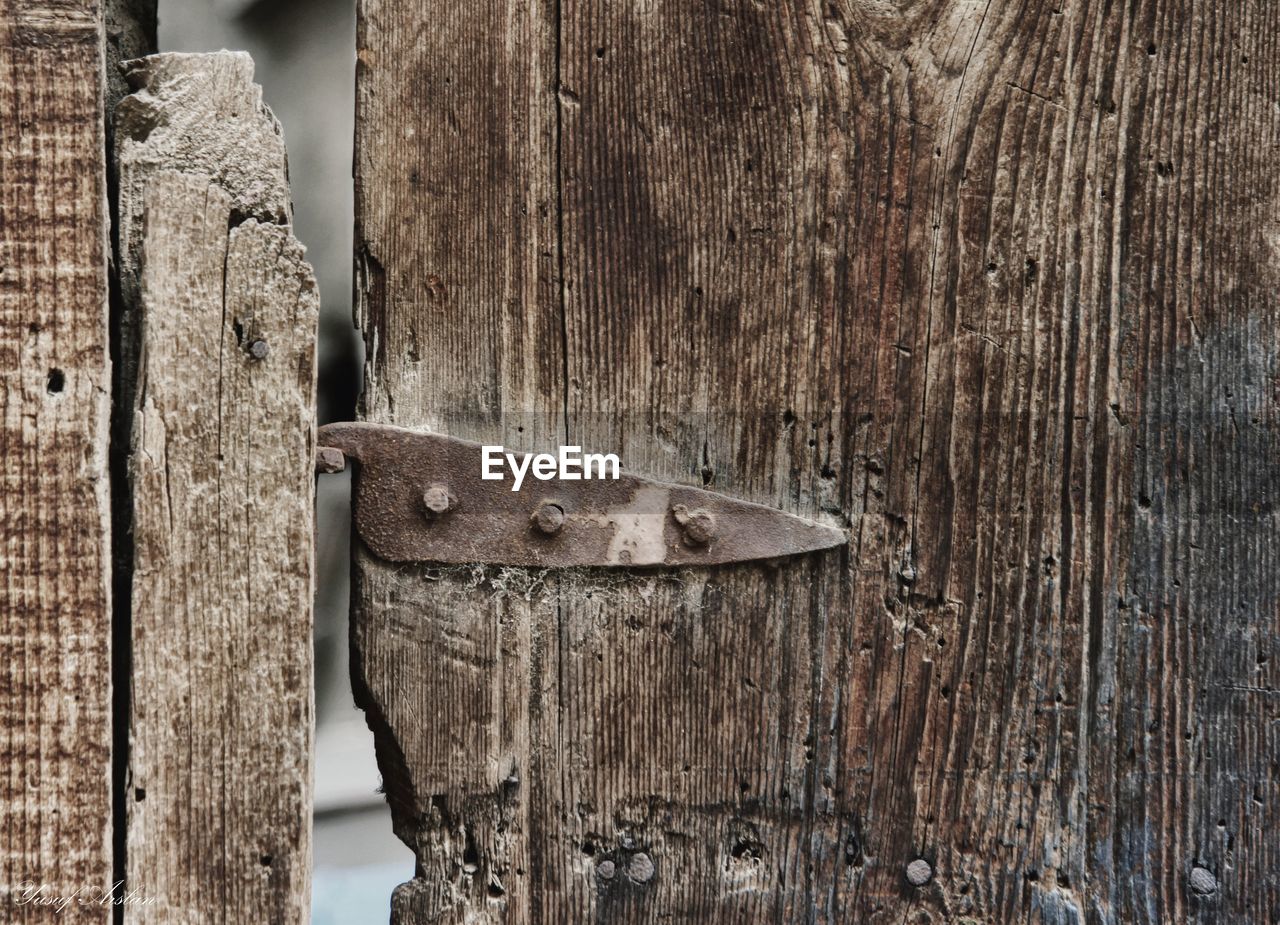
(55, 614)
(992, 284)
(221, 708)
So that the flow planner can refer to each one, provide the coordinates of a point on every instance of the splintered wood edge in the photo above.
(224, 308)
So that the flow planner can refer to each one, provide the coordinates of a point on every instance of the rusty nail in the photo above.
(259, 349)
(919, 872)
(329, 459)
(1203, 882)
(437, 500)
(641, 868)
(699, 524)
(548, 518)
(606, 869)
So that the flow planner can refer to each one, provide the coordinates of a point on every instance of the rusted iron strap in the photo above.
(419, 497)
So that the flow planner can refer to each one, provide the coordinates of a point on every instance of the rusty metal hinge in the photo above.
(419, 497)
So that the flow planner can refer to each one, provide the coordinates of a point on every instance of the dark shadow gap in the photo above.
(130, 30)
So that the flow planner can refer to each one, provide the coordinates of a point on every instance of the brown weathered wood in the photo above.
(486, 350)
(220, 765)
(55, 614)
(993, 284)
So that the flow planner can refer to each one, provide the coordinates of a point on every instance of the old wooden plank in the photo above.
(199, 113)
(221, 710)
(994, 285)
(55, 618)
(438, 195)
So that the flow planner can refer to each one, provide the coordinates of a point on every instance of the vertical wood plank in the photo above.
(55, 618)
(220, 763)
(993, 284)
(458, 287)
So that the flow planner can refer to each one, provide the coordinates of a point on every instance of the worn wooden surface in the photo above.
(190, 112)
(221, 712)
(991, 283)
(55, 617)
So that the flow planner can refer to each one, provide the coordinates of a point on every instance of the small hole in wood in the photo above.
(266, 860)
(853, 851)
(470, 856)
(57, 381)
(139, 794)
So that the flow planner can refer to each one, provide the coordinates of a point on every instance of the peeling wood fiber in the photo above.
(225, 307)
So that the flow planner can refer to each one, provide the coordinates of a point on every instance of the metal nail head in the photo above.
(1203, 882)
(919, 872)
(330, 459)
(437, 500)
(699, 524)
(641, 868)
(548, 518)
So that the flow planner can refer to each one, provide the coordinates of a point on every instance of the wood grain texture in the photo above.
(200, 113)
(220, 761)
(468, 231)
(991, 283)
(55, 615)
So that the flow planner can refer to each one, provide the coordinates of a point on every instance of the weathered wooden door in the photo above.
(992, 285)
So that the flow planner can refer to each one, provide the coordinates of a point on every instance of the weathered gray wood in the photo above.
(55, 616)
(200, 113)
(221, 718)
(994, 285)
